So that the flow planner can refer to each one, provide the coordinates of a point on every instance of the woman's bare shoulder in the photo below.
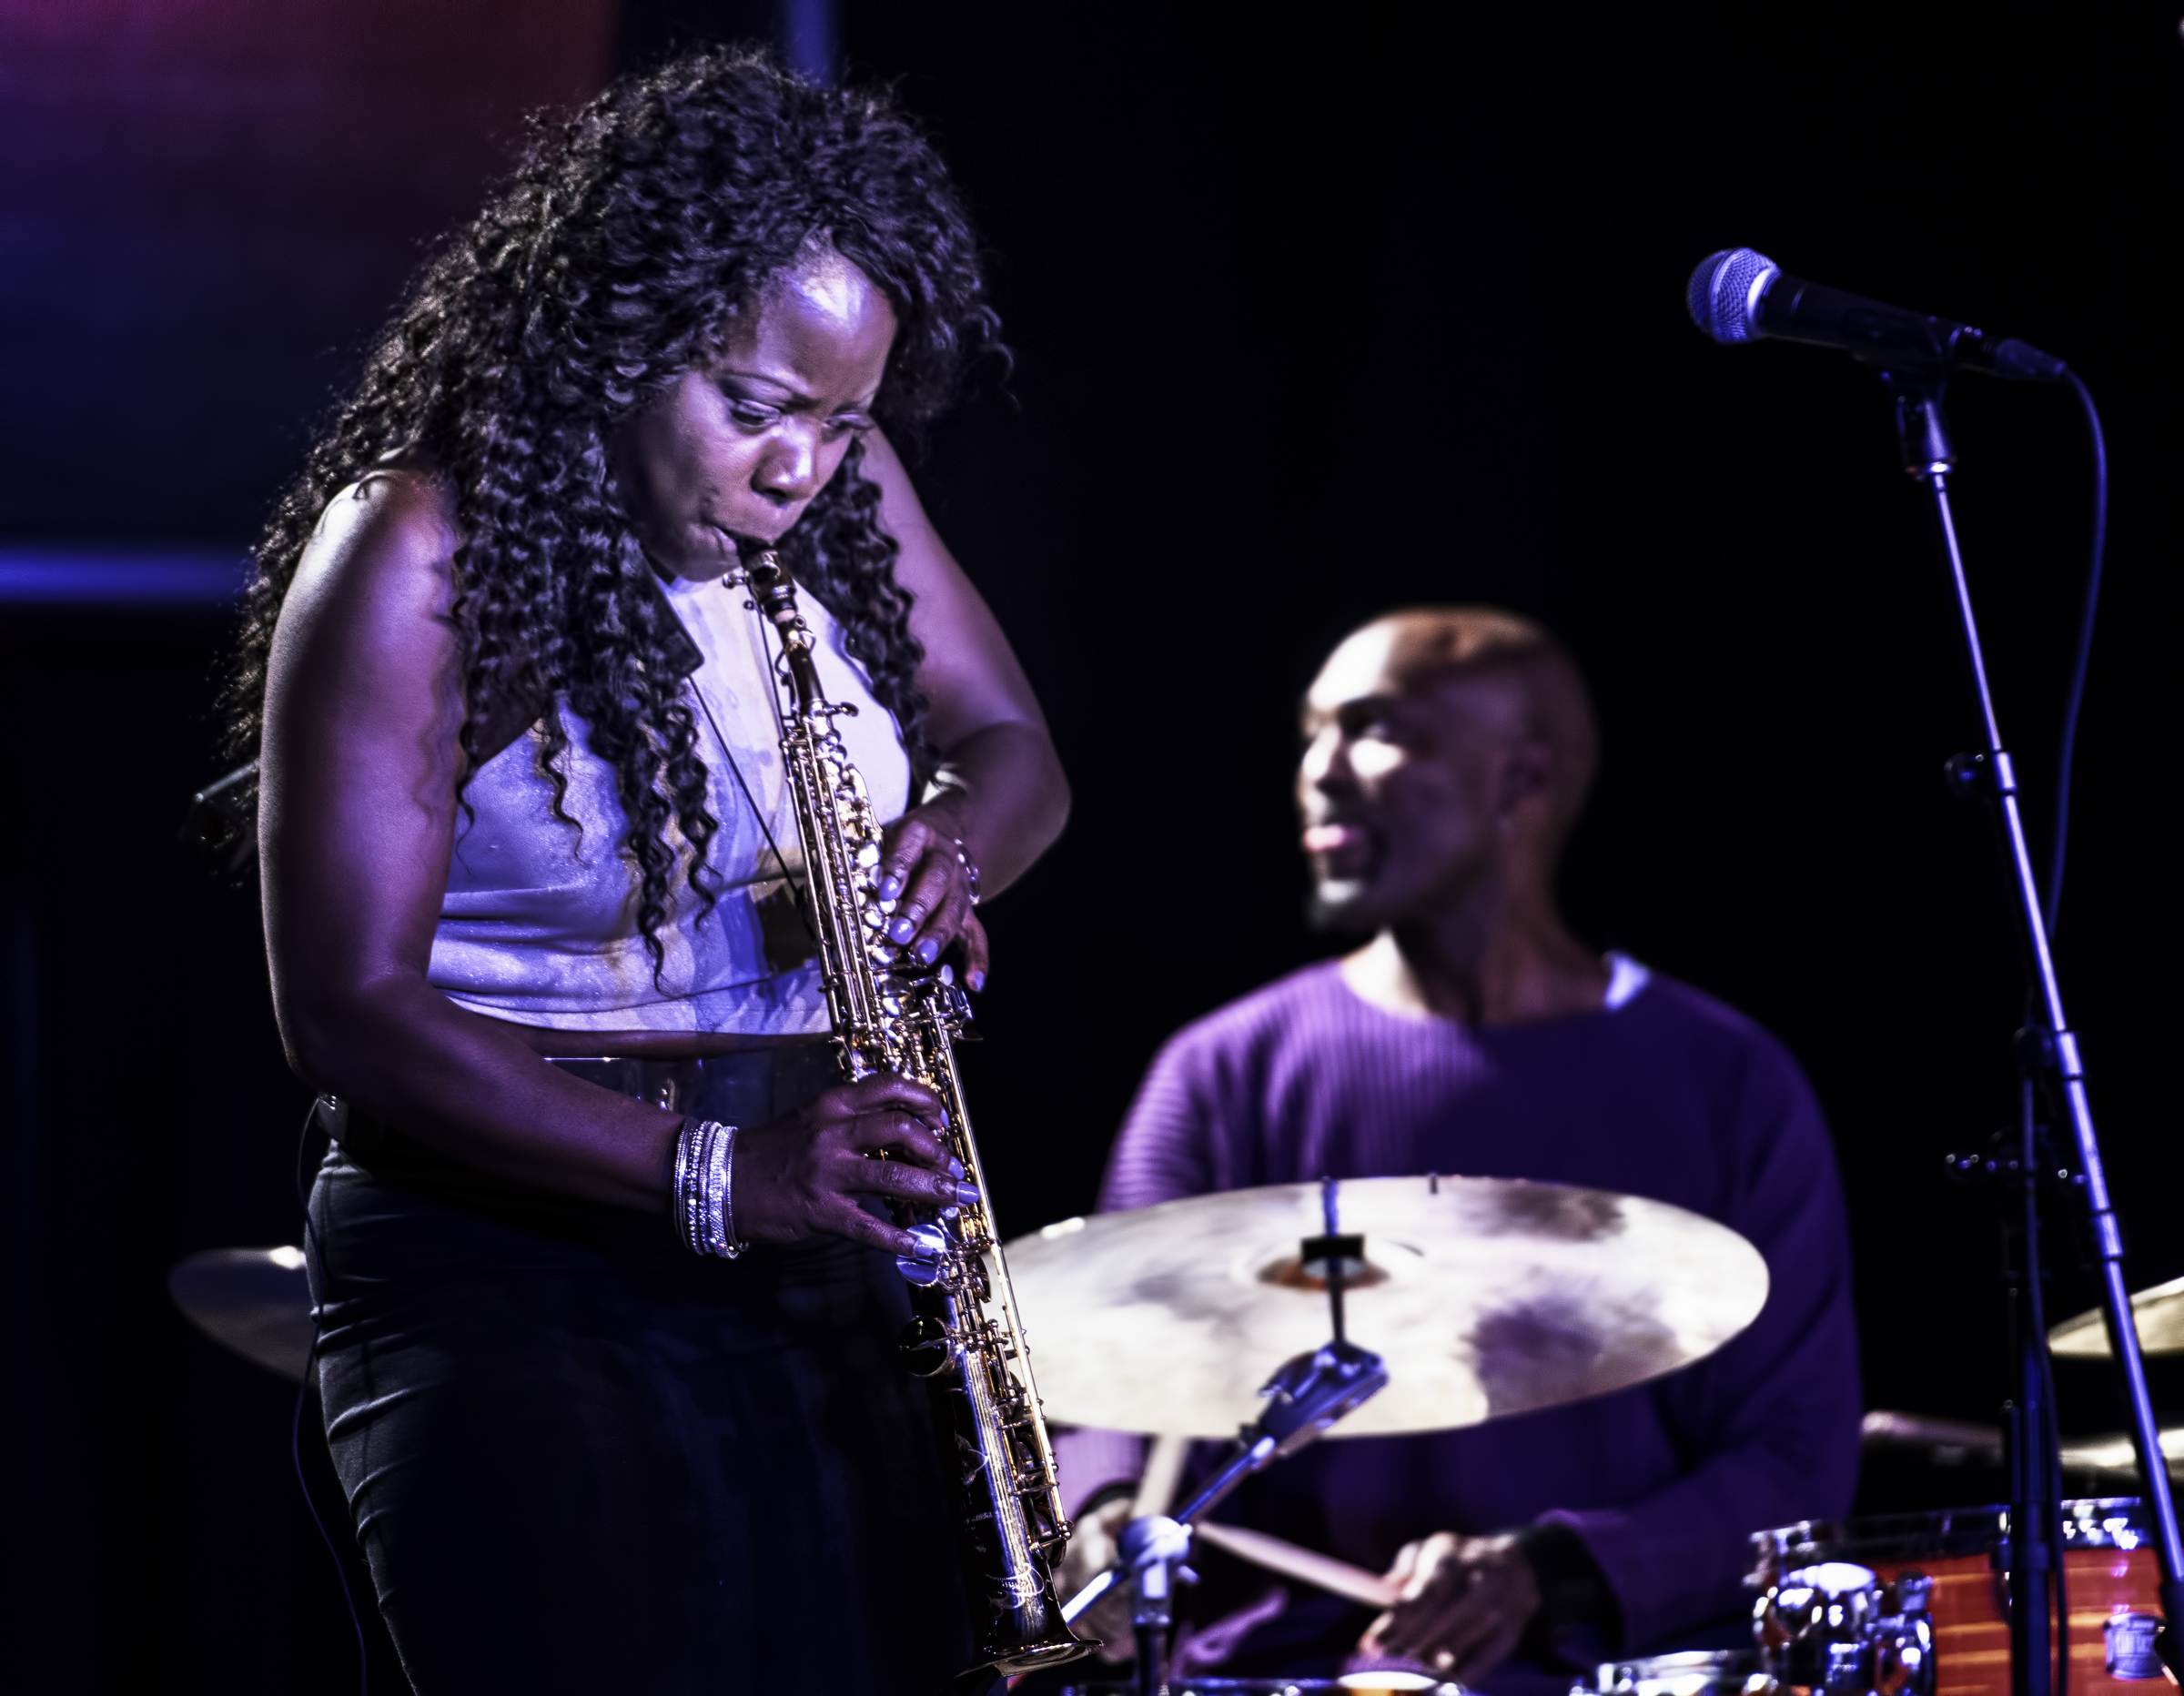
(375, 582)
(388, 539)
(398, 518)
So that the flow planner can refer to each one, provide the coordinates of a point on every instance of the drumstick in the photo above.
(1163, 1469)
(1337, 1576)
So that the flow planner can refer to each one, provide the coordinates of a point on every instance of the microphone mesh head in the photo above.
(1725, 292)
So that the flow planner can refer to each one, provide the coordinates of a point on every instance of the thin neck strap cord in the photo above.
(735, 767)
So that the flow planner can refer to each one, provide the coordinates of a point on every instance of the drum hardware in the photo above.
(1842, 1607)
(1837, 1627)
(1355, 1683)
(1690, 1672)
(1308, 1393)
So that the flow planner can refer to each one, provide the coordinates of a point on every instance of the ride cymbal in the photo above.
(1486, 1297)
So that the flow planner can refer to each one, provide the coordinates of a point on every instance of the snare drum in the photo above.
(1917, 1604)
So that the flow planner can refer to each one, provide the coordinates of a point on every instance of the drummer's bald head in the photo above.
(1422, 649)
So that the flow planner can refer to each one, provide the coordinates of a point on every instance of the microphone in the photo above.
(1737, 295)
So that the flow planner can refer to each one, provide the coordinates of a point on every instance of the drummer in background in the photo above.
(1446, 755)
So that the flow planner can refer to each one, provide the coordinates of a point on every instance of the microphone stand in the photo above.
(2047, 1051)
(2019, 1167)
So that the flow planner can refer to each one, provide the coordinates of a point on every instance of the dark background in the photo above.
(1317, 313)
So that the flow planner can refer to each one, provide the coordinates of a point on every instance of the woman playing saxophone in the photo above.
(523, 827)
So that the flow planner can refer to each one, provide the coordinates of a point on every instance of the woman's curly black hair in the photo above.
(631, 236)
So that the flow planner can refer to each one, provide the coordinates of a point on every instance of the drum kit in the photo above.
(1452, 1302)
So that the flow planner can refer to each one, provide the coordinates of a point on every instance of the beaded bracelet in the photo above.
(704, 1189)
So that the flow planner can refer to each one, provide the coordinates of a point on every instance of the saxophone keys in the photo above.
(925, 1346)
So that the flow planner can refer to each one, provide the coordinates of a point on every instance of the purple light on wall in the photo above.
(807, 37)
(84, 577)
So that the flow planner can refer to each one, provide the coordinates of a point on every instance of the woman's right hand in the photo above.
(798, 1175)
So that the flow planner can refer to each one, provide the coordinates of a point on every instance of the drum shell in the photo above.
(2114, 1585)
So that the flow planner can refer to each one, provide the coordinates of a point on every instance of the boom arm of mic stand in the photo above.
(1929, 456)
(1307, 1394)
(1306, 1397)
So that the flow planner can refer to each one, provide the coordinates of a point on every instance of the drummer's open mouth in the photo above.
(1343, 850)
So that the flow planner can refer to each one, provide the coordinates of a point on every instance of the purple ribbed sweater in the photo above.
(1670, 1096)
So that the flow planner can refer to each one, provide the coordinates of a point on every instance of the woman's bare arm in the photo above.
(357, 820)
(1002, 789)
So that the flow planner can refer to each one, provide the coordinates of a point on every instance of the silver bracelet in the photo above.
(679, 1195)
(704, 1186)
(970, 869)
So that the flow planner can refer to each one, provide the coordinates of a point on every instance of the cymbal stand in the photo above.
(2049, 1050)
(1306, 1396)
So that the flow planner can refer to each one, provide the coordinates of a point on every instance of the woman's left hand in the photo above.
(923, 872)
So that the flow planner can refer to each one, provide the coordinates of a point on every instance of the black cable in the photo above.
(2062, 1544)
(310, 1361)
(2074, 700)
(2074, 703)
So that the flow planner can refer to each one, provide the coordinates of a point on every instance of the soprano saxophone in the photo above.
(891, 1015)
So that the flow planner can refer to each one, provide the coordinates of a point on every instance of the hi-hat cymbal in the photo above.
(1485, 1296)
(2160, 1313)
(257, 1301)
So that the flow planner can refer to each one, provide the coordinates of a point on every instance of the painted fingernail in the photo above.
(891, 887)
(955, 1167)
(928, 951)
(975, 980)
(901, 931)
(967, 1193)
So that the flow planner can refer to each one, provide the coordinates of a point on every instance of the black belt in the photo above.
(748, 1086)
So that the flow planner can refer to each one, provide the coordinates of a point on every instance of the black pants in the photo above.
(581, 1459)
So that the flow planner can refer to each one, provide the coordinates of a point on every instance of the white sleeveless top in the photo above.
(540, 922)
